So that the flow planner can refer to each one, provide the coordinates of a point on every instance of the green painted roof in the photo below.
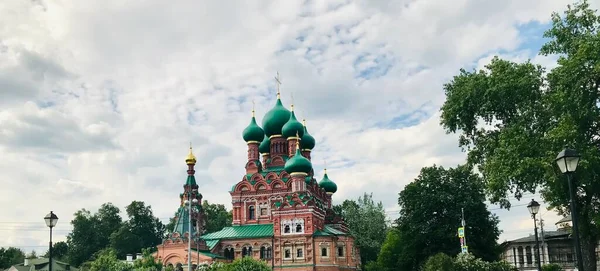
(212, 243)
(265, 145)
(182, 224)
(292, 127)
(329, 230)
(241, 232)
(328, 184)
(253, 132)
(308, 141)
(208, 254)
(298, 163)
(42, 264)
(191, 180)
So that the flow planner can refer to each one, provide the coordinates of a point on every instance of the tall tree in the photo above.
(531, 115)
(91, 232)
(367, 223)
(60, 251)
(11, 256)
(430, 214)
(142, 230)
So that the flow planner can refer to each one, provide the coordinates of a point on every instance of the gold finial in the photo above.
(304, 122)
(292, 101)
(325, 165)
(297, 141)
(253, 105)
(278, 81)
(190, 159)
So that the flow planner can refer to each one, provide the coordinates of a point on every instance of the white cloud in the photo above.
(98, 100)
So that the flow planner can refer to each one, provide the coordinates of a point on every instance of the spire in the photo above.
(325, 169)
(278, 81)
(297, 142)
(190, 159)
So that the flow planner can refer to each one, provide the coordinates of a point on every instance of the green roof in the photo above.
(241, 232)
(329, 230)
(42, 264)
(208, 254)
(212, 243)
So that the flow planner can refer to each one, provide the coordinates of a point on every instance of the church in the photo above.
(281, 213)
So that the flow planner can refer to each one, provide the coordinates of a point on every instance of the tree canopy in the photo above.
(366, 221)
(430, 214)
(514, 118)
(11, 256)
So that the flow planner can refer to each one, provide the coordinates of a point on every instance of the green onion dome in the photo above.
(307, 142)
(253, 133)
(293, 128)
(275, 119)
(298, 163)
(265, 145)
(327, 184)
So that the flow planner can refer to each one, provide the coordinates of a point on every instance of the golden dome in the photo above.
(190, 159)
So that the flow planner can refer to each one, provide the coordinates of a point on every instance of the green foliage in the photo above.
(147, 262)
(390, 255)
(107, 260)
(367, 223)
(552, 267)
(11, 256)
(245, 264)
(531, 115)
(464, 262)
(431, 213)
(91, 232)
(59, 251)
(105, 229)
(439, 262)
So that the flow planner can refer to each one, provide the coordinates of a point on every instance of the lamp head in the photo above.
(567, 160)
(533, 207)
(51, 219)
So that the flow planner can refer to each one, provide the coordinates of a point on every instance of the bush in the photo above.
(552, 267)
(439, 262)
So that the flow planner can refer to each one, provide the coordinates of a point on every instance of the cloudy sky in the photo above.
(100, 99)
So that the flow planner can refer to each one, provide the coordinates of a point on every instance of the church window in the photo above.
(299, 227)
(300, 253)
(261, 187)
(286, 229)
(277, 186)
(251, 214)
(324, 252)
(229, 253)
(263, 211)
(266, 252)
(340, 251)
(287, 253)
(247, 251)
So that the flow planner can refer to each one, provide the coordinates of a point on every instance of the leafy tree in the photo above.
(530, 115)
(367, 223)
(107, 261)
(246, 263)
(11, 256)
(31, 255)
(142, 230)
(552, 267)
(439, 262)
(147, 262)
(431, 214)
(390, 256)
(60, 251)
(91, 232)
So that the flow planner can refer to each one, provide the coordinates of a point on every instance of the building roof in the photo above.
(564, 219)
(208, 254)
(42, 264)
(241, 232)
(548, 235)
(329, 230)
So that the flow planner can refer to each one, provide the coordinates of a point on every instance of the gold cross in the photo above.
(278, 81)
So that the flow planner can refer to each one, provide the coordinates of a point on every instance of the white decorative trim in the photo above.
(295, 226)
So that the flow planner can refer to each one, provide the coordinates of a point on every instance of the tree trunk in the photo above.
(589, 241)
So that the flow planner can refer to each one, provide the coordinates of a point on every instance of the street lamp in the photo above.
(190, 210)
(567, 161)
(51, 220)
(534, 208)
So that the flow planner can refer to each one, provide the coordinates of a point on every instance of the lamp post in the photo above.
(189, 203)
(534, 208)
(51, 219)
(567, 161)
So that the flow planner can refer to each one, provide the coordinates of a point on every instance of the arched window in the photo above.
(251, 213)
(298, 227)
(286, 229)
(229, 253)
(265, 252)
(247, 251)
(179, 267)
